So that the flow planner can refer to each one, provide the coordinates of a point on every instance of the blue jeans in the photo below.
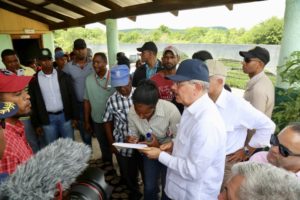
(31, 136)
(153, 170)
(58, 127)
(86, 137)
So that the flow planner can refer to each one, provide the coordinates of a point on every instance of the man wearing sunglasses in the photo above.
(285, 150)
(259, 90)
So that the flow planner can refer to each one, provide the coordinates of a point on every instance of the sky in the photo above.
(242, 16)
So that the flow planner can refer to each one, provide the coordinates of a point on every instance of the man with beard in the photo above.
(97, 90)
(285, 150)
(151, 64)
(170, 59)
(15, 147)
(79, 68)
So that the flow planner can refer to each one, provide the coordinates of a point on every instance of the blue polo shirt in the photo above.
(78, 76)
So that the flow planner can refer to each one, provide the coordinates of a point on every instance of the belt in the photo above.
(56, 113)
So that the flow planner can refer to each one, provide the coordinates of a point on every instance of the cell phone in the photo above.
(20, 72)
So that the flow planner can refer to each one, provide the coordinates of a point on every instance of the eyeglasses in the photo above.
(284, 151)
(180, 83)
(248, 60)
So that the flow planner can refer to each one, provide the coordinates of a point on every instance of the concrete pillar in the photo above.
(112, 40)
(291, 35)
(6, 43)
(48, 41)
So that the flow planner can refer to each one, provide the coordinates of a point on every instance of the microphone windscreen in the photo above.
(61, 161)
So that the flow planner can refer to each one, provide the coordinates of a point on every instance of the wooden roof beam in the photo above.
(71, 7)
(132, 18)
(24, 13)
(108, 4)
(229, 6)
(41, 9)
(174, 12)
(148, 8)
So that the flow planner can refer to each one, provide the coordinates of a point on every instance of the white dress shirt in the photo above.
(238, 116)
(50, 91)
(196, 166)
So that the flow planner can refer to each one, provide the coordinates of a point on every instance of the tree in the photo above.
(267, 32)
(288, 108)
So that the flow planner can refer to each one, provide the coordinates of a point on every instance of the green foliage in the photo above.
(65, 38)
(288, 110)
(267, 32)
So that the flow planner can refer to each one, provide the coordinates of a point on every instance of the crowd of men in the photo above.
(204, 142)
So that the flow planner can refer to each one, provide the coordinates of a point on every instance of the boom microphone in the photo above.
(60, 162)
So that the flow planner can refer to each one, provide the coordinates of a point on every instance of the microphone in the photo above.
(61, 161)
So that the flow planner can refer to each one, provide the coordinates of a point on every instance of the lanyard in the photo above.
(106, 83)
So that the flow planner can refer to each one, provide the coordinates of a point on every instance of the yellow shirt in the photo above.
(28, 71)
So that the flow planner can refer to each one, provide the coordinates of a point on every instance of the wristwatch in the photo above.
(246, 151)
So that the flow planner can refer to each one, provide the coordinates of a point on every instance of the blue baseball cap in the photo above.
(7, 109)
(119, 75)
(59, 54)
(190, 69)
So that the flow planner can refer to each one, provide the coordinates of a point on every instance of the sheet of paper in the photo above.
(129, 145)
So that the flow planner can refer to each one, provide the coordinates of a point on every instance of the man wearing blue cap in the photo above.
(116, 112)
(196, 158)
(60, 60)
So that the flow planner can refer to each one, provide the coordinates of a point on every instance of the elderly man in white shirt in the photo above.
(238, 115)
(196, 157)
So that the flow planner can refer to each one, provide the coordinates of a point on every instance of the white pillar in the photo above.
(291, 35)
(112, 40)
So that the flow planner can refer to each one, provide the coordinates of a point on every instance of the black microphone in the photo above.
(60, 162)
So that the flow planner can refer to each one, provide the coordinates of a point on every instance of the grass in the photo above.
(236, 77)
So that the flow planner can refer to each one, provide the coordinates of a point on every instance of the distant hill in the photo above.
(144, 30)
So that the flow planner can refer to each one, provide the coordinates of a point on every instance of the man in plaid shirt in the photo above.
(15, 149)
(117, 108)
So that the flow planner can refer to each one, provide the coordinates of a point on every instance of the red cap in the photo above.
(13, 83)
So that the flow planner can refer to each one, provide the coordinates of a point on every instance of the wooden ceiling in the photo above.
(60, 14)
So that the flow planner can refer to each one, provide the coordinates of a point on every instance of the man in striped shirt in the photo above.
(115, 115)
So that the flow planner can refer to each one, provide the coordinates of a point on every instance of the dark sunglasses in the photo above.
(285, 152)
(247, 60)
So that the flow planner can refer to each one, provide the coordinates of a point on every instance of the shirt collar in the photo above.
(199, 104)
(104, 77)
(87, 62)
(130, 95)
(47, 75)
(221, 101)
(155, 66)
(257, 76)
(159, 109)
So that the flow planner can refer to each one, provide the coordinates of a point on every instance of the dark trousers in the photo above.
(102, 139)
(153, 171)
(129, 173)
